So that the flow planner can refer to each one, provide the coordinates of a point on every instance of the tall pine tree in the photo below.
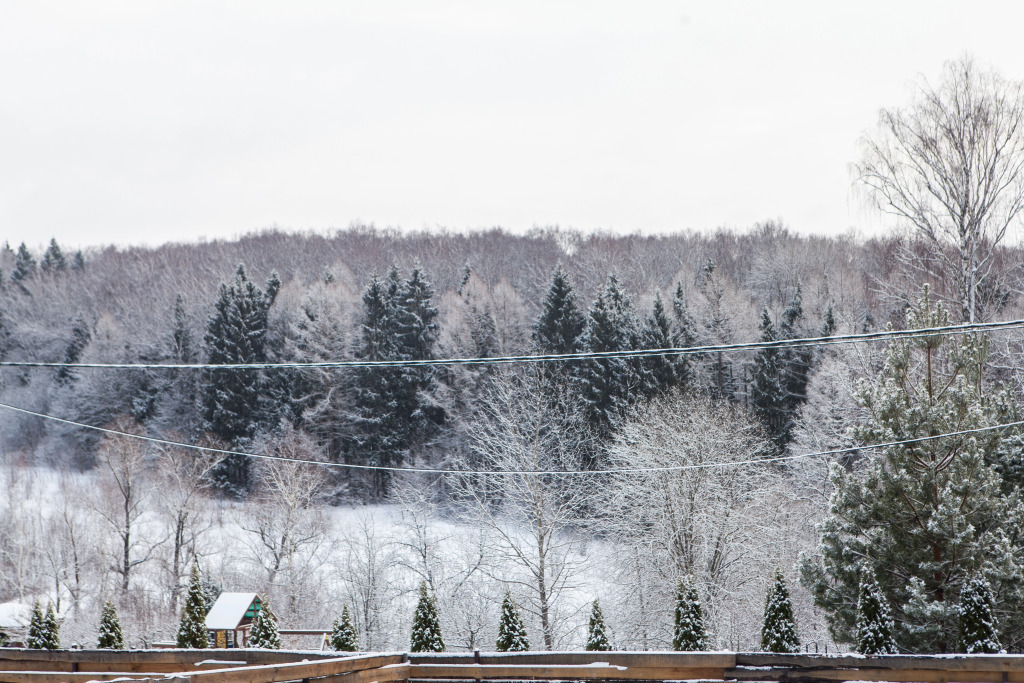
(511, 631)
(928, 513)
(768, 393)
(606, 385)
(426, 625)
(561, 323)
(392, 413)
(192, 626)
(234, 400)
(778, 631)
(689, 633)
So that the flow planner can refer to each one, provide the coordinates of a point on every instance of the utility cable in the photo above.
(557, 357)
(426, 470)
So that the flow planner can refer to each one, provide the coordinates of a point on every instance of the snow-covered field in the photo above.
(63, 538)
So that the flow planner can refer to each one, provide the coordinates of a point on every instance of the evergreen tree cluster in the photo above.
(43, 629)
(239, 403)
(927, 513)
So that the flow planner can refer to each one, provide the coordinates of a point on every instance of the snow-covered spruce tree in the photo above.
(597, 632)
(343, 635)
(778, 632)
(111, 637)
(426, 626)
(659, 373)
(53, 260)
(264, 630)
(36, 628)
(689, 634)
(928, 513)
(234, 402)
(561, 323)
(874, 619)
(390, 411)
(511, 631)
(192, 626)
(768, 393)
(43, 629)
(977, 623)
(24, 265)
(607, 386)
(684, 335)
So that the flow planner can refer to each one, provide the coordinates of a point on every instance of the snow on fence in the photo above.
(267, 666)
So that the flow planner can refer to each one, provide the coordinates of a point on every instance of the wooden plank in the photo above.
(915, 662)
(296, 670)
(504, 671)
(711, 660)
(57, 677)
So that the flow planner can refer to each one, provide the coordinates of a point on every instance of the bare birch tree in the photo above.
(951, 166)
(286, 528)
(524, 427)
(124, 497)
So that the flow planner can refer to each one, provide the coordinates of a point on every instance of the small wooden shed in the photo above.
(231, 617)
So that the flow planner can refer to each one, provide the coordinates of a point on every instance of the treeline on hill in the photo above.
(370, 294)
(373, 295)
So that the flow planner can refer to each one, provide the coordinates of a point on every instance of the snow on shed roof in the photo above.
(14, 615)
(229, 610)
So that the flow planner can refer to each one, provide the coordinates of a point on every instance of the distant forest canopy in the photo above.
(440, 294)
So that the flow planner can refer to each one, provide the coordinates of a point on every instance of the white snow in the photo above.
(14, 615)
(228, 611)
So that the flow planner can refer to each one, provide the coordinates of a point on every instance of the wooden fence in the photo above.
(270, 666)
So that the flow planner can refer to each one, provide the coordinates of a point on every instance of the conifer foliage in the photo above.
(426, 625)
(343, 635)
(264, 632)
(235, 403)
(511, 631)
(597, 632)
(778, 632)
(874, 620)
(111, 637)
(192, 626)
(43, 629)
(977, 624)
(689, 634)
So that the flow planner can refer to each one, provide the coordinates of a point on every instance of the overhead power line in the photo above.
(429, 470)
(548, 358)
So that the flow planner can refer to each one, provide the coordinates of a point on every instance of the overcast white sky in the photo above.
(143, 122)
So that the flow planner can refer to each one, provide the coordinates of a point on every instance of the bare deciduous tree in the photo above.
(124, 498)
(719, 524)
(184, 479)
(531, 518)
(951, 166)
(284, 520)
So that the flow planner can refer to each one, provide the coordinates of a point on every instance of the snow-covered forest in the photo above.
(89, 517)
